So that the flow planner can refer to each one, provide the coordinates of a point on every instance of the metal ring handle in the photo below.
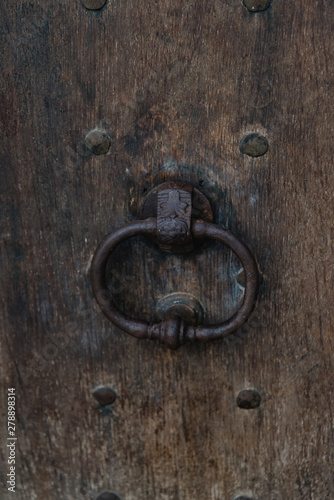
(174, 332)
(98, 272)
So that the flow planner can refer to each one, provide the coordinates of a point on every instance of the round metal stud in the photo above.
(180, 305)
(249, 399)
(104, 395)
(97, 142)
(93, 4)
(107, 495)
(256, 5)
(254, 145)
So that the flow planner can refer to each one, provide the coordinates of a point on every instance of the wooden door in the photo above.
(176, 86)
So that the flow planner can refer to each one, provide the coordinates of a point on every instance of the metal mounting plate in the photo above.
(201, 208)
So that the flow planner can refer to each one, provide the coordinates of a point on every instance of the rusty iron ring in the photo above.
(179, 333)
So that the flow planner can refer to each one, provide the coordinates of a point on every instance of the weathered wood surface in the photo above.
(176, 84)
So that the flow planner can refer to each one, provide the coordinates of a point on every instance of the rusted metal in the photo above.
(201, 208)
(173, 331)
(93, 4)
(98, 142)
(180, 305)
(173, 221)
(254, 145)
(107, 495)
(257, 5)
(104, 395)
(249, 399)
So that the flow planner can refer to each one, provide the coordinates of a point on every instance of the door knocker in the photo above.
(176, 214)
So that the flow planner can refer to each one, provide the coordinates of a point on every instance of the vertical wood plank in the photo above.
(176, 85)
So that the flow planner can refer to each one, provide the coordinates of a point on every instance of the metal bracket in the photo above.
(175, 205)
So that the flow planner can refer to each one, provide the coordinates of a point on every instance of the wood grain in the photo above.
(176, 84)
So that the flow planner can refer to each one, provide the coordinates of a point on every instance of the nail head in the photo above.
(108, 495)
(182, 305)
(97, 142)
(248, 399)
(93, 4)
(256, 5)
(254, 145)
(104, 395)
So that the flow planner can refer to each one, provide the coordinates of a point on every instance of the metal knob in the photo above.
(169, 216)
